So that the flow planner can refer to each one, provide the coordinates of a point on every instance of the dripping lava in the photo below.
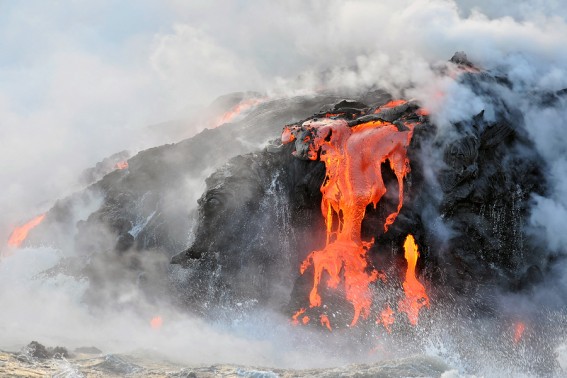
(353, 146)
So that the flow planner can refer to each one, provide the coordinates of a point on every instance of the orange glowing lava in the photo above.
(156, 322)
(325, 322)
(295, 317)
(21, 233)
(519, 329)
(121, 165)
(422, 112)
(331, 115)
(353, 159)
(391, 104)
(387, 318)
(415, 295)
(239, 108)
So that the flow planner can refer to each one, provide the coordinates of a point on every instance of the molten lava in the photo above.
(519, 329)
(332, 115)
(156, 322)
(21, 233)
(415, 295)
(422, 112)
(121, 165)
(325, 322)
(295, 317)
(239, 108)
(387, 318)
(353, 157)
(391, 104)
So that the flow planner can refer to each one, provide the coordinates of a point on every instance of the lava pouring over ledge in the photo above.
(21, 233)
(415, 295)
(353, 157)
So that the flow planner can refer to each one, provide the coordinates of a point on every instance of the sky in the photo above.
(80, 79)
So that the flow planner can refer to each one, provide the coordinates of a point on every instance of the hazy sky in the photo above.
(78, 78)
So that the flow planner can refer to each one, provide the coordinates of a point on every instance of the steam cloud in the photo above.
(69, 97)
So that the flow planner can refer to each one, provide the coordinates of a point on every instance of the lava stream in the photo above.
(239, 108)
(21, 233)
(353, 158)
(387, 318)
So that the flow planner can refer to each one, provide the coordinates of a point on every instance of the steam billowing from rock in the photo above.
(485, 197)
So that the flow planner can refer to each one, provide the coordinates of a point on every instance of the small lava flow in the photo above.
(20, 233)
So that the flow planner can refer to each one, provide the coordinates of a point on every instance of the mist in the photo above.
(80, 82)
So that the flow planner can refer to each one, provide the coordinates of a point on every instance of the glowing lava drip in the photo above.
(353, 157)
(21, 233)
(416, 297)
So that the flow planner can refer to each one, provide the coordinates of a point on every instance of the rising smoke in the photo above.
(70, 104)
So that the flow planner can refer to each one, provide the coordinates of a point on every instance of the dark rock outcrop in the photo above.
(468, 212)
(35, 350)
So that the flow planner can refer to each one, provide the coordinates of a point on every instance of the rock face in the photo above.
(490, 170)
(126, 226)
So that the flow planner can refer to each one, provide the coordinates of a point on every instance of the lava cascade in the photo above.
(415, 294)
(21, 233)
(353, 157)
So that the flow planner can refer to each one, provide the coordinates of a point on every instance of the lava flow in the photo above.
(239, 108)
(121, 165)
(21, 233)
(353, 157)
(156, 322)
(415, 295)
(295, 318)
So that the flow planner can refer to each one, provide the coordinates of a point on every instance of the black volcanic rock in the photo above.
(125, 227)
(36, 350)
